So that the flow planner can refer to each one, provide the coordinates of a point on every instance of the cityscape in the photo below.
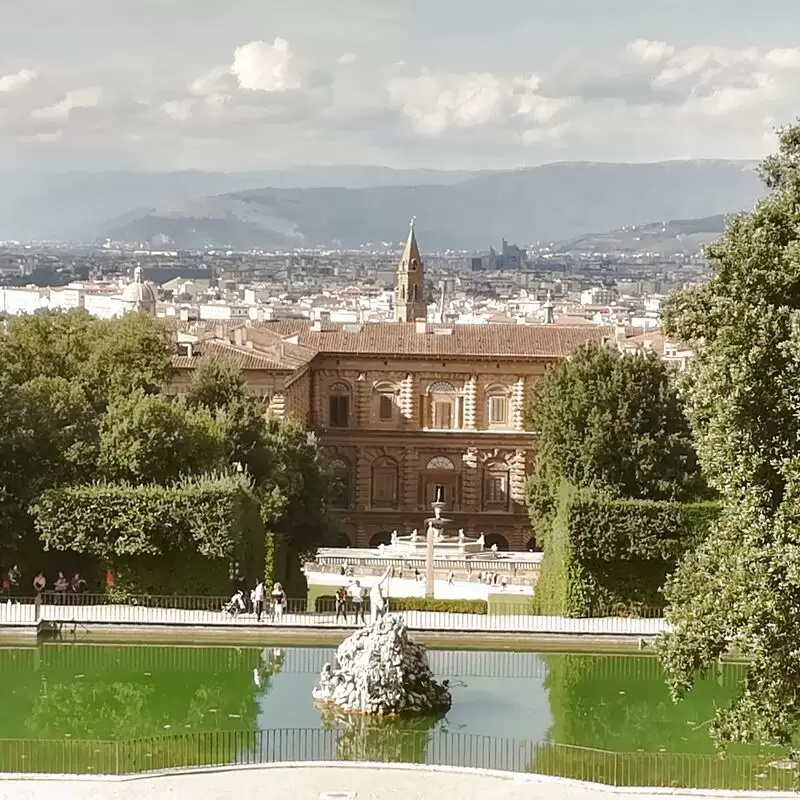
(399, 399)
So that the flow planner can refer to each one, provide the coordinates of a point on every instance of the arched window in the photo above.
(495, 487)
(382, 537)
(342, 540)
(385, 401)
(340, 496)
(443, 412)
(339, 406)
(384, 483)
(440, 462)
(441, 387)
(498, 406)
(496, 538)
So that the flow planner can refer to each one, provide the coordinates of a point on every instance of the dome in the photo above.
(139, 296)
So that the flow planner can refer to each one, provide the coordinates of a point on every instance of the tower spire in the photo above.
(409, 301)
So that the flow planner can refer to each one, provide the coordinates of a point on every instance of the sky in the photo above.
(252, 84)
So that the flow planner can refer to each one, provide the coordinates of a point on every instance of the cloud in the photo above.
(435, 102)
(643, 100)
(78, 98)
(18, 80)
(265, 66)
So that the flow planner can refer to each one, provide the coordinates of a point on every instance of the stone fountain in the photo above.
(444, 546)
(381, 672)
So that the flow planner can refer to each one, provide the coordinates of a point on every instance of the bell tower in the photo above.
(409, 296)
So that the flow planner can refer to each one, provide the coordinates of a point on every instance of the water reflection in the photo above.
(610, 702)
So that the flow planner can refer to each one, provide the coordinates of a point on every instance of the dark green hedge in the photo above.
(612, 556)
(158, 539)
(325, 603)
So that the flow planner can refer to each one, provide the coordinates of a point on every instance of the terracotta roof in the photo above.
(395, 338)
(241, 357)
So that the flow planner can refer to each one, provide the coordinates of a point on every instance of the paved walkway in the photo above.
(442, 590)
(23, 615)
(310, 783)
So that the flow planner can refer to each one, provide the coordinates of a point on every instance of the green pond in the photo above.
(508, 707)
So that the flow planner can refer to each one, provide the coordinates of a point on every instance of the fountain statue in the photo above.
(414, 535)
(377, 602)
(461, 536)
(381, 672)
(394, 537)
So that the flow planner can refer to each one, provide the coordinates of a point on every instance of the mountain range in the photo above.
(664, 238)
(353, 206)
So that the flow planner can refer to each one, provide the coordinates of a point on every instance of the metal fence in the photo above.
(383, 744)
(495, 617)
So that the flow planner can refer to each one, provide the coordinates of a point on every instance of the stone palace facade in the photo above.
(404, 409)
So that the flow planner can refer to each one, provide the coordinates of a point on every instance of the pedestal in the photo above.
(429, 564)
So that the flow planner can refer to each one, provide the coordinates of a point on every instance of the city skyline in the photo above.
(237, 86)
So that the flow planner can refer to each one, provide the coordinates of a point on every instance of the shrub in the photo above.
(605, 555)
(326, 603)
(158, 539)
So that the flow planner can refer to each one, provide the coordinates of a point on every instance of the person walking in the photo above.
(357, 598)
(39, 583)
(278, 602)
(341, 604)
(258, 600)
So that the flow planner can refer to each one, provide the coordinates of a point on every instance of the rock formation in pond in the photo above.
(382, 672)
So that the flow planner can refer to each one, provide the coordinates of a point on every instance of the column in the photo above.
(407, 405)
(470, 403)
(516, 477)
(410, 493)
(457, 415)
(518, 405)
(362, 482)
(472, 480)
(429, 563)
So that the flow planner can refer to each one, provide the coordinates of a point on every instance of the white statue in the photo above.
(377, 601)
(431, 530)
(494, 548)
(394, 538)
(381, 548)
(437, 512)
(414, 535)
(482, 541)
(461, 536)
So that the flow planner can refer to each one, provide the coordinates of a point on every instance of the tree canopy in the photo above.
(611, 422)
(82, 401)
(741, 588)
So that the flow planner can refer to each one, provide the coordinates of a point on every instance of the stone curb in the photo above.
(516, 777)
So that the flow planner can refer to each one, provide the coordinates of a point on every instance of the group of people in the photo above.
(256, 601)
(354, 596)
(61, 589)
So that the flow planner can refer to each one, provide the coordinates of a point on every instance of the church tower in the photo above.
(409, 297)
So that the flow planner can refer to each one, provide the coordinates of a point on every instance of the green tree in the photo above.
(48, 435)
(611, 422)
(106, 357)
(150, 438)
(215, 385)
(741, 587)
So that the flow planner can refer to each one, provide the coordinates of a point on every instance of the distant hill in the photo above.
(80, 205)
(549, 203)
(665, 238)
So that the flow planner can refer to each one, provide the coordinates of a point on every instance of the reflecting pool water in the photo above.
(611, 702)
